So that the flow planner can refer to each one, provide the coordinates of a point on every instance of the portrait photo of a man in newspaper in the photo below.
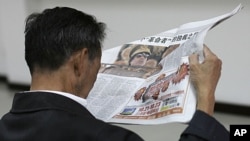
(136, 60)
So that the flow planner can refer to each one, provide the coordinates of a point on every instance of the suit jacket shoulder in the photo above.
(44, 116)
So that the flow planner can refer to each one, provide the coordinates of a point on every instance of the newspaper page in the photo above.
(147, 81)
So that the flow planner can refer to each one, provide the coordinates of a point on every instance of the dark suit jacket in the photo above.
(43, 116)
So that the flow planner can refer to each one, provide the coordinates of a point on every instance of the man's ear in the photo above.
(80, 62)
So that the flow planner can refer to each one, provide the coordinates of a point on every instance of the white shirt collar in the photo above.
(79, 100)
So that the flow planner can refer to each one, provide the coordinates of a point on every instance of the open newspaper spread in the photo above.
(147, 81)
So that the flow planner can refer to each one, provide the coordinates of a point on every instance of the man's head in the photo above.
(138, 55)
(62, 37)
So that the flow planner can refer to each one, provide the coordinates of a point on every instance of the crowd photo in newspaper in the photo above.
(147, 81)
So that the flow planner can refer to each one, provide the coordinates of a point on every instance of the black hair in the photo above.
(52, 36)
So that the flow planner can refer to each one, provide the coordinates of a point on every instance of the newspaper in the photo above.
(147, 81)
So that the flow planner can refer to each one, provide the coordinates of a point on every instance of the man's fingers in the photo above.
(207, 52)
(193, 59)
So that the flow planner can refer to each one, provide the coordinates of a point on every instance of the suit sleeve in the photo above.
(203, 127)
(115, 133)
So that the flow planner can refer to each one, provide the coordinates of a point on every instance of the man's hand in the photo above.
(204, 77)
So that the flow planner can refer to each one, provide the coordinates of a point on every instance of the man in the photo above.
(138, 55)
(140, 63)
(63, 51)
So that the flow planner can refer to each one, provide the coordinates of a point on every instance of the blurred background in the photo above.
(130, 20)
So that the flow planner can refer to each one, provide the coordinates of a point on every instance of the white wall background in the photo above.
(129, 20)
(12, 15)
